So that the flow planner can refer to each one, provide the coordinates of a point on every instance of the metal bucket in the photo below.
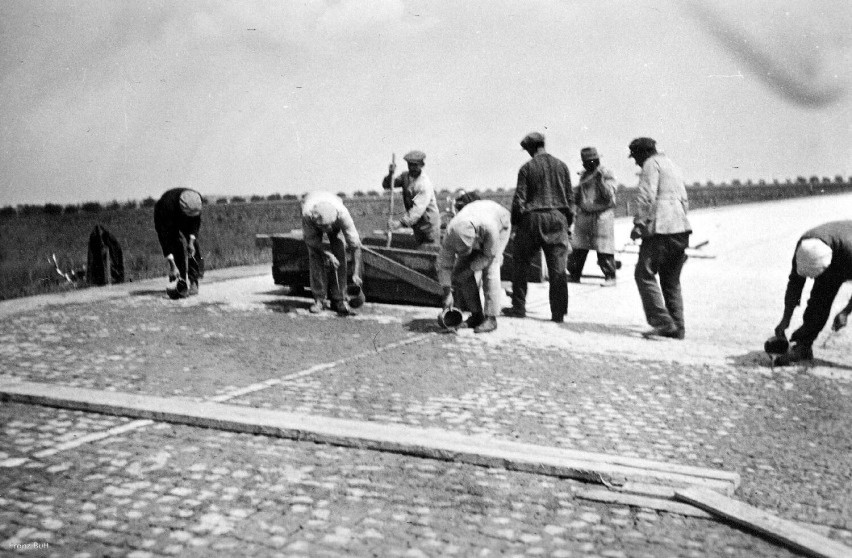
(356, 297)
(450, 318)
(180, 290)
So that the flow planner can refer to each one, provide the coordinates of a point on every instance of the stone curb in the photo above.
(430, 443)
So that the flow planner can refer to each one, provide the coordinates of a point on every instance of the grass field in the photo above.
(227, 238)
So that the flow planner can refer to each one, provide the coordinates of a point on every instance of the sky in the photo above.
(122, 100)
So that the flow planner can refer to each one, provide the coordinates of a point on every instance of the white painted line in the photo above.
(94, 437)
(314, 369)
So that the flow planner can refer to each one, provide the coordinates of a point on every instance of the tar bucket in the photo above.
(180, 290)
(356, 296)
(450, 318)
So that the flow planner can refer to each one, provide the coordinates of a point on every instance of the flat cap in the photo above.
(190, 203)
(641, 145)
(533, 138)
(415, 156)
(589, 153)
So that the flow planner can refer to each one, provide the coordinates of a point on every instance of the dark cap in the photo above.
(589, 153)
(642, 145)
(533, 138)
(415, 156)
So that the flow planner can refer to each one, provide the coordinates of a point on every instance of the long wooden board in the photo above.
(634, 500)
(431, 443)
(779, 530)
(401, 272)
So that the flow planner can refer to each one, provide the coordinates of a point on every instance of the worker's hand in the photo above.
(636, 232)
(356, 279)
(331, 260)
(392, 168)
(447, 301)
(839, 321)
(393, 224)
(190, 248)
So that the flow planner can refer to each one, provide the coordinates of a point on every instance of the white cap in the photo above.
(813, 256)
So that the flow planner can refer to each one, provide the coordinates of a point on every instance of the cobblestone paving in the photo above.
(787, 434)
(148, 344)
(180, 491)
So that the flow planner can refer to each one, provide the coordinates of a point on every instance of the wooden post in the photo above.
(390, 213)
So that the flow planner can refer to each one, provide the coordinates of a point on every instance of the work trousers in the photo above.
(662, 254)
(816, 313)
(546, 230)
(176, 243)
(466, 287)
(320, 271)
(578, 259)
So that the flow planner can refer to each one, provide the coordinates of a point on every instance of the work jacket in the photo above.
(480, 229)
(595, 214)
(662, 204)
(343, 222)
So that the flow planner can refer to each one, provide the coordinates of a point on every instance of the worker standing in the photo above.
(177, 221)
(824, 254)
(594, 222)
(662, 224)
(542, 212)
(418, 198)
(323, 213)
(475, 240)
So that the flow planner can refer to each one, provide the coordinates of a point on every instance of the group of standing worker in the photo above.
(544, 210)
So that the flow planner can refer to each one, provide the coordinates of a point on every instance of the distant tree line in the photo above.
(96, 207)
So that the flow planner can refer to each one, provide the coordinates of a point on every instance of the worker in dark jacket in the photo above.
(824, 254)
(177, 219)
(542, 213)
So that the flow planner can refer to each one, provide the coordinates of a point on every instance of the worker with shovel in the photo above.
(323, 213)
(475, 240)
(823, 254)
(418, 197)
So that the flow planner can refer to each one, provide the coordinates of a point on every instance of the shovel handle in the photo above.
(390, 211)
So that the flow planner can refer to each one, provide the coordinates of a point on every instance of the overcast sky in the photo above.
(111, 100)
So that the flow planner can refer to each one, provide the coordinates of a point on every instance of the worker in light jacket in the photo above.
(323, 213)
(418, 198)
(475, 240)
(594, 219)
(661, 222)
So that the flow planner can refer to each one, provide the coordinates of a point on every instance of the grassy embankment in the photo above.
(29, 239)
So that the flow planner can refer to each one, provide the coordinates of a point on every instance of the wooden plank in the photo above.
(430, 443)
(636, 501)
(636, 462)
(788, 533)
(414, 278)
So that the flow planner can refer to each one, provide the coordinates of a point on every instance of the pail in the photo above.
(356, 297)
(450, 318)
(776, 345)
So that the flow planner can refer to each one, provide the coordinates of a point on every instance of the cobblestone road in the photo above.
(76, 483)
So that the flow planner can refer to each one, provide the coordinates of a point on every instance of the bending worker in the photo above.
(324, 213)
(594, 222)
(824, 254)
(418, 197)
(177, 220)
(475, 240)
